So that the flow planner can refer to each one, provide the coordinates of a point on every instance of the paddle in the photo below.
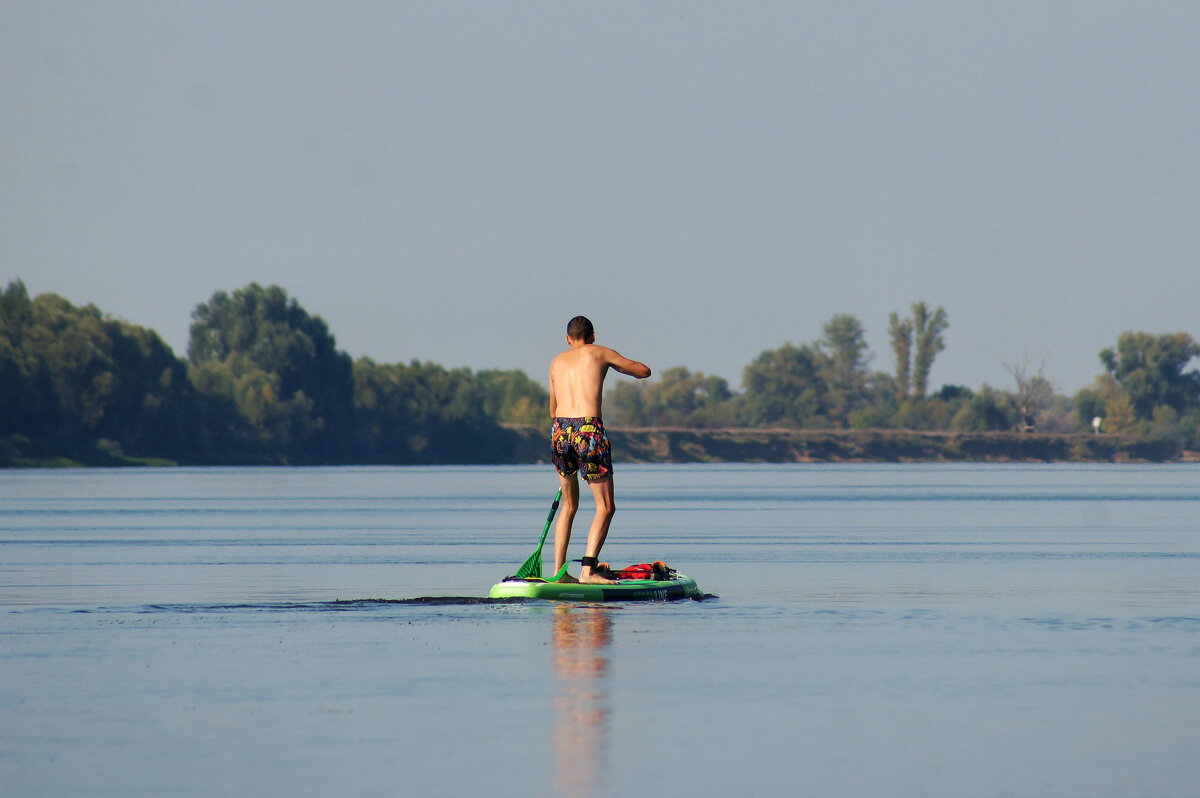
(533, 566)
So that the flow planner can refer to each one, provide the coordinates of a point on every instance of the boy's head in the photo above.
(580, 328)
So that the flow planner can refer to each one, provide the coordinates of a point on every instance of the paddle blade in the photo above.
(532, 566)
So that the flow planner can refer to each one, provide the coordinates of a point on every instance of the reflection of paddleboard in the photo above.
(677, 587)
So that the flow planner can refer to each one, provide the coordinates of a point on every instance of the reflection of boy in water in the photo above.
(579, 638)
(578, 440)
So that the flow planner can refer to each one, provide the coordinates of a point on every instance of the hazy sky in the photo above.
(452, 181)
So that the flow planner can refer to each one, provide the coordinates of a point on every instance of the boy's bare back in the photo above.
(577, 377)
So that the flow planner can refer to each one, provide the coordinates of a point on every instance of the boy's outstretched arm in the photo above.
(632, 368)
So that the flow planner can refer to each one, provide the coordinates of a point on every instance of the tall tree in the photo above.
(901, 333)
(845, 343)
(843, 348)
(927, 329)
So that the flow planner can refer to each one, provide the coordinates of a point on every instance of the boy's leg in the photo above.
(567, 506)
(606, 507)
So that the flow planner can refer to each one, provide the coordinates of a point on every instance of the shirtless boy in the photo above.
(578, 441)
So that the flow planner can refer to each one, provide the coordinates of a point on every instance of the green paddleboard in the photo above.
(678, 587)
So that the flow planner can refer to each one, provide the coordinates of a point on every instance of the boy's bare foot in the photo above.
(568, 579)
(594, 579)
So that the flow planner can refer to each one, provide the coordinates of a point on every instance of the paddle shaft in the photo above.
(553, 508)
(533, 565)
(550, 518)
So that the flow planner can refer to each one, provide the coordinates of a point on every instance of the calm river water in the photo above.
(913, 631)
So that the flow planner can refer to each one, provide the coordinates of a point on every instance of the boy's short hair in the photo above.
(579, 328)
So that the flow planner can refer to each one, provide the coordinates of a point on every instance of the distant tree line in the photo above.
(1146, 390)
(263, 382)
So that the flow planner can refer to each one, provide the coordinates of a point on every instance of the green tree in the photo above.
(1088, 404)
(717, 403)
(1150, 370)
(677, 398)
(927, 329)
(1120, 415)
(934, 412)
(152, 403)
(916, 342)
(843, 368)
(512, 397)
(985, 411)
(250, 420)
(424, 413)
(879, 406)
(71, 377)
(280, 368)
(783, 387)
(1105, 399)
(23, 394)
(901, 333)
(625, 405)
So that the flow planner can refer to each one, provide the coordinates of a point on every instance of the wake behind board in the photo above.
(679, 586)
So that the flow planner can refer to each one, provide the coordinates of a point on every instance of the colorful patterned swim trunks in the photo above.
(580, 444)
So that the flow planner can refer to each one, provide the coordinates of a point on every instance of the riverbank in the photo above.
(527, 444)
(658, 445)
